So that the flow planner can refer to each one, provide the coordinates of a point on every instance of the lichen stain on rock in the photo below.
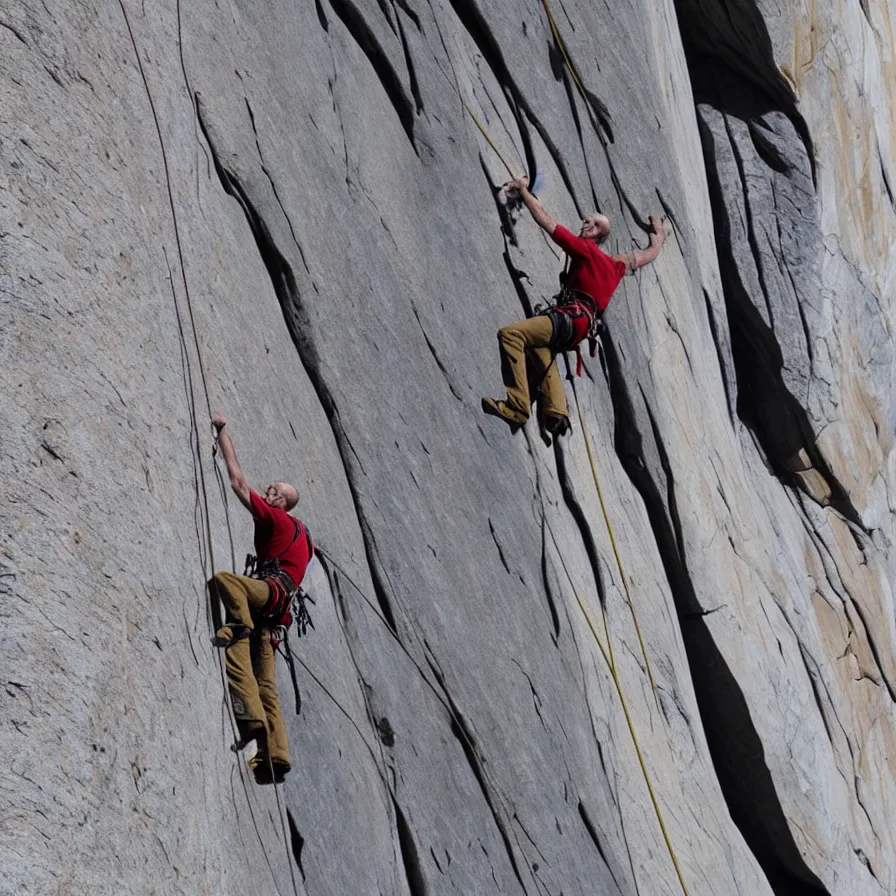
(807, 43)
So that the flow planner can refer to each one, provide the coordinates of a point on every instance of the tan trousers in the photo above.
(251, 668)
(526, 359)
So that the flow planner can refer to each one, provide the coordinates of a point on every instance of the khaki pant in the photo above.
(527, 359)
(251, 670)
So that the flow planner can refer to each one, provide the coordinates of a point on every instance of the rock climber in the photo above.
(528, 347)
(255, 606)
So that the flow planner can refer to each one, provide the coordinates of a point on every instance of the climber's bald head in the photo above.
(282, 495)
(595, 227)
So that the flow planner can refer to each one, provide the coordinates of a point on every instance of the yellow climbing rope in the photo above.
(608, 651)
(478, 123)
(555, 31)
(488, 139)
(622, 576)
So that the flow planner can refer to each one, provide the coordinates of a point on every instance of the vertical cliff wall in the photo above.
(655, 658)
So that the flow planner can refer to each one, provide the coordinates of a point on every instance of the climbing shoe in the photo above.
(266, 771)
(230, 634)
(248, 732)
(499, 409)
(556, 424)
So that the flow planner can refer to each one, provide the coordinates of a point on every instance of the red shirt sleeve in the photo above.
(569, 243)
(261, 510)
(617, 266)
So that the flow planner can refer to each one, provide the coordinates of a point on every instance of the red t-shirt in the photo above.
(590, 270)
(275, 536)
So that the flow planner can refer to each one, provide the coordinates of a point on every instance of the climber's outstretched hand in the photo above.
(515, 187)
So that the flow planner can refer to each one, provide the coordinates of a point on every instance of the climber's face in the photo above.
(282, 495)
(595, 227)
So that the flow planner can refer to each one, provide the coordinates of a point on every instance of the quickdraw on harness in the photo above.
(567, 306)
(287, 603)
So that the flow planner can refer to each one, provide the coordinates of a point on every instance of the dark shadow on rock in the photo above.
(629, 445)
(734, 744)
(214, 601)
(780, 423)
(353, 19)
(743, 773)
(410, 854)
(731, 35)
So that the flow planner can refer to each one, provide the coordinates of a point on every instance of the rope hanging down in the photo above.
(572, 69)
(622, 576)
(204, 381)
(608, 651)
(488, 139)
(478, 123)
(609, 658)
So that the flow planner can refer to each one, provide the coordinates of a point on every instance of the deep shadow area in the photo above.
(764, 403)
(739, 760)
(410, 855)
(734, 743)
(296, 842)
(731, 37)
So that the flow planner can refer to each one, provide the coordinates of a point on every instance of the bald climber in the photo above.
(256, 605)
(528, 347)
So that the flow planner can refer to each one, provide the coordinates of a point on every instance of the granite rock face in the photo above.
(679, 681)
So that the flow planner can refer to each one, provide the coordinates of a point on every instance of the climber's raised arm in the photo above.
(637, 258)
(519, 187)
(237, 479)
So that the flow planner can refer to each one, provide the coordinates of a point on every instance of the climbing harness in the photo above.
(569, 306)
(566, 307)
(287, 602)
